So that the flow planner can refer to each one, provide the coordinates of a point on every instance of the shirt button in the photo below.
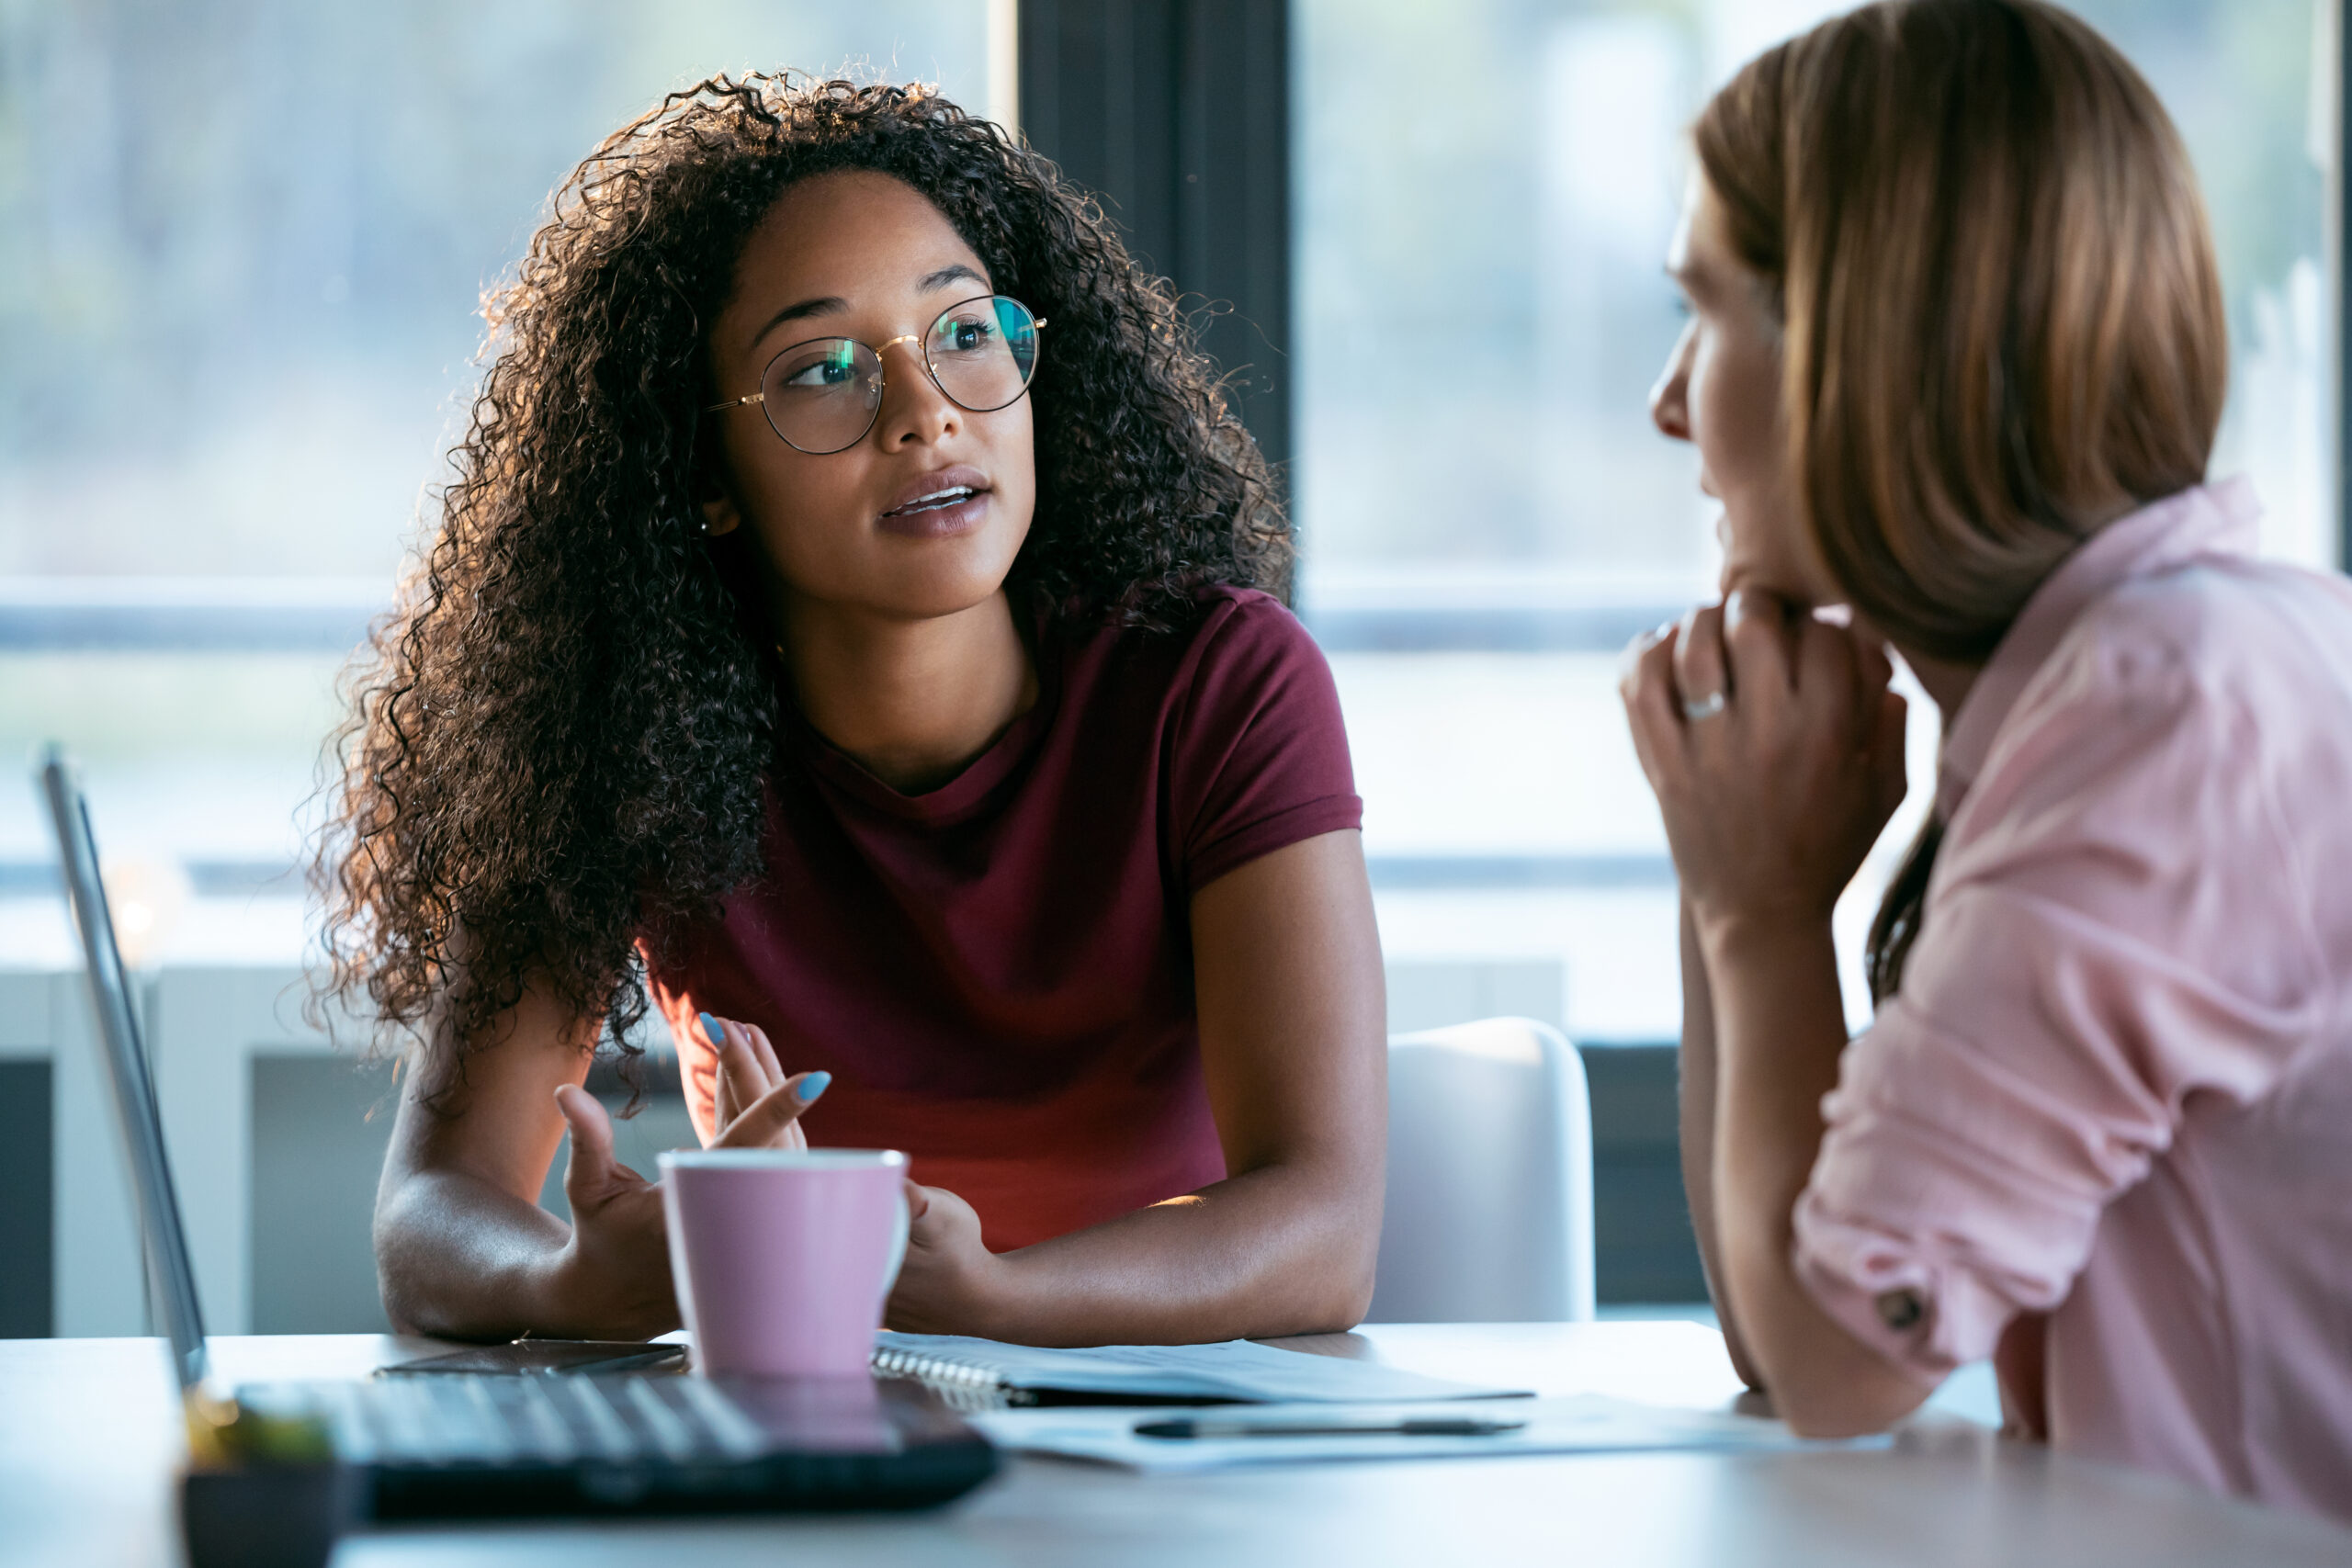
(1901, 1309)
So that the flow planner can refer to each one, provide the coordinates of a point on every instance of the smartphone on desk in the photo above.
(540, 1358)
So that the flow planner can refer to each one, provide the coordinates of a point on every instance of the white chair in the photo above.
(1489, 1215)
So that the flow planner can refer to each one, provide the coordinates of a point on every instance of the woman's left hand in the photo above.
(950, 1283)
(1775, 748)
(755, 1104)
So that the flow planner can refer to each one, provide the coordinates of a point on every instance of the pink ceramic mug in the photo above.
(783, 1258)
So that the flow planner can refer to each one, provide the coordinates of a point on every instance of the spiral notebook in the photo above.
(982, 1374)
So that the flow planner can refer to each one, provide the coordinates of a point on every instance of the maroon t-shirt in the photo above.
(998, 974)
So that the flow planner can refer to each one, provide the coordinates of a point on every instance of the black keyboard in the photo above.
(464, 1419)
(464, 1445)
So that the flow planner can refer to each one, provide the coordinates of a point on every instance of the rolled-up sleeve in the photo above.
(2114, 925)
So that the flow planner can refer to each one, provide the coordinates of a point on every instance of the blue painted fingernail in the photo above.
(711, 1029)
(812, 1086)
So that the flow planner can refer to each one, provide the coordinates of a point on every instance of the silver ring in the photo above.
(1707, 707)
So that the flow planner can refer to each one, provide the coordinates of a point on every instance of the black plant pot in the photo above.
(266, 1515)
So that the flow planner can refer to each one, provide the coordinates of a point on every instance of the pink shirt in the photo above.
(2116, 1086)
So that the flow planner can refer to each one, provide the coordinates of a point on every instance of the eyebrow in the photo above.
(949, 273)
(828, 304)
(823, 304)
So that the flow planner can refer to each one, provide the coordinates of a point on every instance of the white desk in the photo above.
(89, 1440)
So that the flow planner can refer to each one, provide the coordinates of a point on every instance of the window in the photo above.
(1485, 191)
(243, 246)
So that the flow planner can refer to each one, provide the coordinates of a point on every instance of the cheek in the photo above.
(787, 495)
(1733, 416)
(1013, 459)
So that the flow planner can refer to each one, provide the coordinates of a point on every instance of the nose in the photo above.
(915, 412)
(1670, 398)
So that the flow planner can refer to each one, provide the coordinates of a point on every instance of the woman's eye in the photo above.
(968, 336)
(831, 371)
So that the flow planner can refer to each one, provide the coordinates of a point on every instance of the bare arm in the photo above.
(1783, 1026)
(1700, 1098)
(1293, 1049)
(463, 1248)
(1771, 800)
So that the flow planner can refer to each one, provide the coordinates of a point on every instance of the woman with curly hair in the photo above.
(853, 622)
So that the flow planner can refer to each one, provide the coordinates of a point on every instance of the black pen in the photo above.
(1415, 1427)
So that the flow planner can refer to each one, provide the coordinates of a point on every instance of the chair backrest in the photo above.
(1489, 1210)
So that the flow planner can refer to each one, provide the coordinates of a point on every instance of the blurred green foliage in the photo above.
(244, 242)
(114, 707)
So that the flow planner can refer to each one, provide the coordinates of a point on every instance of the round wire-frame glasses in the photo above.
(823, 395)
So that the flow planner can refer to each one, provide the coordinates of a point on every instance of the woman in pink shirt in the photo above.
(1955, 360)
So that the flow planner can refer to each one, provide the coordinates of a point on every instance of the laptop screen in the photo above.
(126, 1067)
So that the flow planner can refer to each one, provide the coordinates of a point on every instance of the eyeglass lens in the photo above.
(822, 396)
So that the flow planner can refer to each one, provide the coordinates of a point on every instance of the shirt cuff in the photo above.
(1921, 1319)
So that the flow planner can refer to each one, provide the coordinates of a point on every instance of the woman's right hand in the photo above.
(614, 1271)
(618, 1255)
(755, 1104)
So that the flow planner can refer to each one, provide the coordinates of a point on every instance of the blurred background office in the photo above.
(243, 248)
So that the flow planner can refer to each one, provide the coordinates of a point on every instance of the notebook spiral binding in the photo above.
(962, 1385)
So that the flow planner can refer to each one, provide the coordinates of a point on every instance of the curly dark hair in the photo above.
(557, 744)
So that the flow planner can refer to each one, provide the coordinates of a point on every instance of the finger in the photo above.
(918, 1201)
(766, 1119)
(763, 1051)
(735, 1053)
(1648, 688)
(1756, 644)
(1874, 665)
(1701, 674)
(591, 1171)
(1827, 670)
(1642, 644)
(726, 1105)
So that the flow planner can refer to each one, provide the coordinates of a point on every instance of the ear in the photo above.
(720, 516)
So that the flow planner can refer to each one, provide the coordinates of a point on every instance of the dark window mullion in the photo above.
(1176, 113)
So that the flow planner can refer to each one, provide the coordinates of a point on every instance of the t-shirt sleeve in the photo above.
(1260, 753)
(2113, 927)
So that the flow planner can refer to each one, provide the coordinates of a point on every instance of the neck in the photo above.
(1945, 682)
(914, 700)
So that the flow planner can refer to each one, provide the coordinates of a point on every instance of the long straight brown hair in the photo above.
(2003, 319)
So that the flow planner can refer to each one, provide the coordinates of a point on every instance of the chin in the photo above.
(930, 595)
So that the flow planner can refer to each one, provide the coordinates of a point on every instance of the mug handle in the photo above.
(900, 1228)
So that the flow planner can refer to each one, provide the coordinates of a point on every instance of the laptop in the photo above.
(521, 1444)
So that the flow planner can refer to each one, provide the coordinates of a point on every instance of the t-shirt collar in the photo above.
(2201, 520)
(960, 796)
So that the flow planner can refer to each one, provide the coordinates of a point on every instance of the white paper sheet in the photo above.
(1236, 1368)
(1584, 1424)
